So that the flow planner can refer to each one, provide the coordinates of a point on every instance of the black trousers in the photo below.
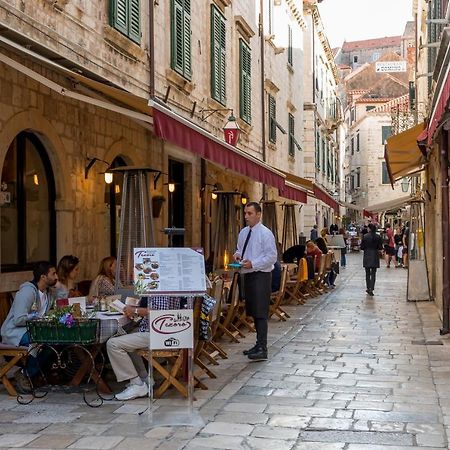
(371, 273)
(257, 289)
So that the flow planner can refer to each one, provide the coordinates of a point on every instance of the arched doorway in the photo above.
(114, 200)
(28, 220)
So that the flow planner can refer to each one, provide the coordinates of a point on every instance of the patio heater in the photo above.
(136, 223)
(290, 237)
(269, 217)
(226, 228)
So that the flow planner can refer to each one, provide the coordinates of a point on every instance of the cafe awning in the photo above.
(172, 127)
(296, 188)
(403, 155)
(320, 194)
(77, 86)
(389, 204)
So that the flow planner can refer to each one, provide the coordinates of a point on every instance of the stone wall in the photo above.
(72, 131)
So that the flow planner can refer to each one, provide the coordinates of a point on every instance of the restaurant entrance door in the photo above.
(176, 216)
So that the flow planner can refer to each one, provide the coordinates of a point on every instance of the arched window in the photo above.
(114, 200)
(28, 222)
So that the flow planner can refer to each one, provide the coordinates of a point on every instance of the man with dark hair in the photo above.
(257, 252)
(33, 299)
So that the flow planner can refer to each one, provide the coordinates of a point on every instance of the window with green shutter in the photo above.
(317, 148)
(218, 56)
(291, 135)
(384, 173)
(245, 82)
(290, 58)
(180, 31)
(324, 161)
(125, 16)
(272, 119)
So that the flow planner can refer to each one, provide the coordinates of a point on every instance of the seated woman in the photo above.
(314, 251)
(103, 283)
(68, 269)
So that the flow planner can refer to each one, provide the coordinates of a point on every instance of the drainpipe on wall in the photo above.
(263, 93)
(151, 46)
(445, 239)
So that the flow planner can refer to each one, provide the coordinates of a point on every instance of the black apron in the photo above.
(257, 290)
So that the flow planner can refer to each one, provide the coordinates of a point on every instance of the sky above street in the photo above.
(354, 20)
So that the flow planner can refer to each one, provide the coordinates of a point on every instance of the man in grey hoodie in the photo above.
(33, 300)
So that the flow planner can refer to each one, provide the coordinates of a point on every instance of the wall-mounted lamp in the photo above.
(92, 161)
(406, 181)
(215, 187)
(171, 187)
(108, 177)
(244, 198)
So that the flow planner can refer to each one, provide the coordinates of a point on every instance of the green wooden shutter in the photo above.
(187, 39)
(291, 135)
(181, 37)
(290, 55)
(218, 56)
(119, 15)
(272, 119)
(134, 22)
(245, 82)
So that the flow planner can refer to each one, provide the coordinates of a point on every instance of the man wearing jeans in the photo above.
(257, 252)
(33, 300)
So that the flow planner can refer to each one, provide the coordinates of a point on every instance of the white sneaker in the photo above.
(133, 391)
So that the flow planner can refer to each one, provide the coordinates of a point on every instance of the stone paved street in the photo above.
(347, 371)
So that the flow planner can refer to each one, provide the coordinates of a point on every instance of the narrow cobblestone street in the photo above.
(347, 371)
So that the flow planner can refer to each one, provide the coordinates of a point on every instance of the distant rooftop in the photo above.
(391, 41)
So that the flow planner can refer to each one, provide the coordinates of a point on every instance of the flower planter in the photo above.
(84, 331)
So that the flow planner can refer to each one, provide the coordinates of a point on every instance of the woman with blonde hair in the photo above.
(103, 283)
(68, 269)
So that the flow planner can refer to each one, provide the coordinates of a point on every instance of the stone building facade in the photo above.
(323, 123)
(75, 80)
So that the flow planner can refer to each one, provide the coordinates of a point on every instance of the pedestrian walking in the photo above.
(344, 249)
(389, 246)
(371, 244)
(314, 234)
(257, 252)
(398, 240)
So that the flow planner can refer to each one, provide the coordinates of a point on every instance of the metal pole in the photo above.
(263, 92)
(445, 224)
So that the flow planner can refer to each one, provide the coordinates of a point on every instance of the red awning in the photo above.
(292, 192)
(322, 195)
(185, 134)
(439, 109)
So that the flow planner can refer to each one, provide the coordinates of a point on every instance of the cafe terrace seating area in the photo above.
(228, 325)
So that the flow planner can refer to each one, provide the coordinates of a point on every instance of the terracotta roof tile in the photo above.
(391, 41)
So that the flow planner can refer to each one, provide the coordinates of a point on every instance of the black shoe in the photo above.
(260, 354)
(250, 350)
(370, 292)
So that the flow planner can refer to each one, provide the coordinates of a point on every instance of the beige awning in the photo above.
(390, 204)
(78, 86)
(402, 154)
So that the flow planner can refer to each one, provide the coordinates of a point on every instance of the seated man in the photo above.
(33, 300)
(127, 364)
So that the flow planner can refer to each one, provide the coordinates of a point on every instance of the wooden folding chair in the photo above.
(14, 356)
(175, 358)
(225, 326)
(295, 290)
(276, 297)
(202, 346)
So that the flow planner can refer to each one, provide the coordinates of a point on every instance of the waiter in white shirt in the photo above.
(257, 252)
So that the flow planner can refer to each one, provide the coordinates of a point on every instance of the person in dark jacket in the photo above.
(371, 244)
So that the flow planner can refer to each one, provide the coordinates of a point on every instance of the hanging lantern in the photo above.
(231, 131)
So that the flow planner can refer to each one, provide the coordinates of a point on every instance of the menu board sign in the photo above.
(168, 271)
(171, 329)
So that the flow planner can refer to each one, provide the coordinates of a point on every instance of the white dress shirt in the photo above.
(261, 249)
